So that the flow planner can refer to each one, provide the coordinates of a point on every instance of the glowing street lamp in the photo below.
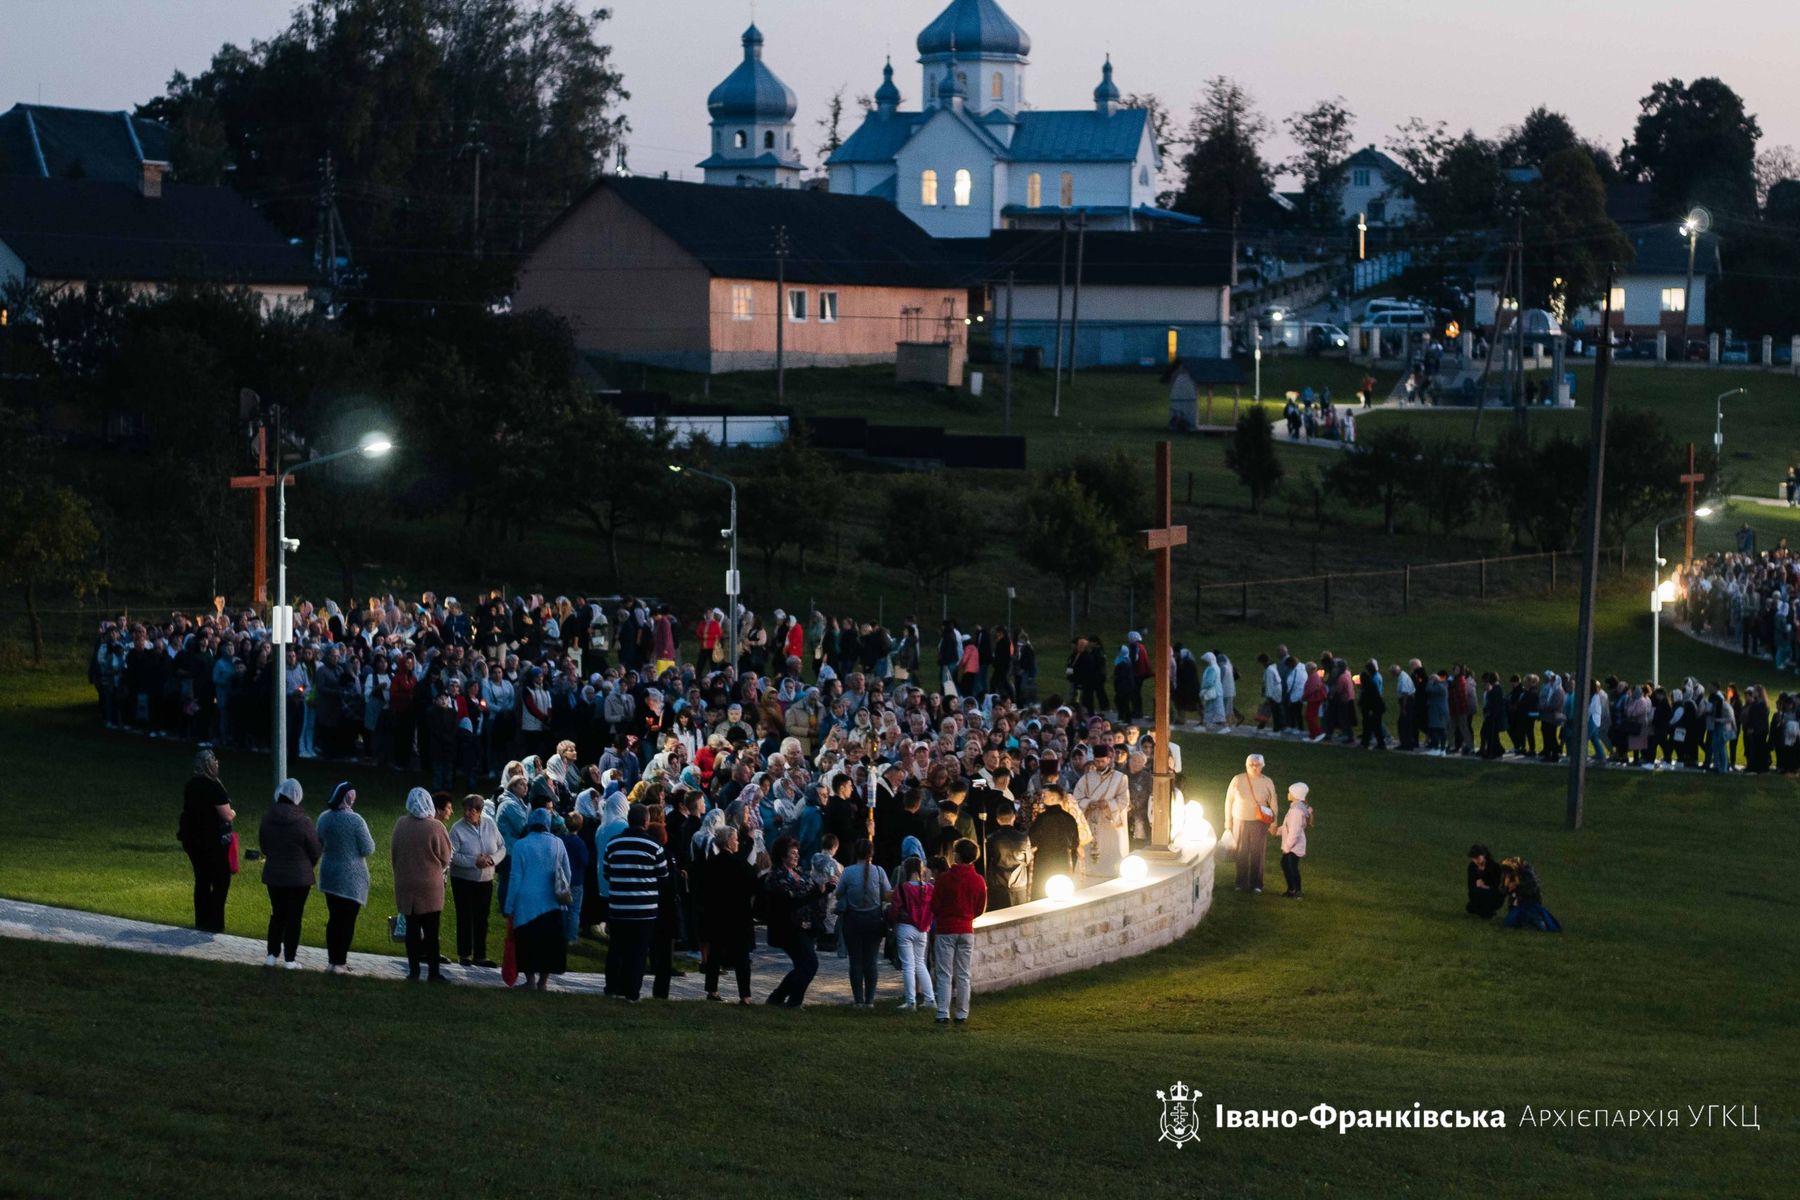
(1059, 889)
(373, 445)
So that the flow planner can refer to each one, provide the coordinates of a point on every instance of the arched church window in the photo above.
(998, 89)
(1068, 190)
(768, 139)
(1034, 190)
(964, 184)
(962, 80)
(740, 139)
(928, 188)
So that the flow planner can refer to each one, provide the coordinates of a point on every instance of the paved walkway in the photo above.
(44, 923)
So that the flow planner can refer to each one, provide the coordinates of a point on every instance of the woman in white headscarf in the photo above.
(421, 858)
(705, 841)
(290, 849)
(1212, 692)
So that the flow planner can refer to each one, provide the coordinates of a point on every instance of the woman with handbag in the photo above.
(541, 885)
(205, 833)
(421, 856)
(862, 906)
(343, 873)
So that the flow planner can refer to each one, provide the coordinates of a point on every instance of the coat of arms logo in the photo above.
(1180, 1121)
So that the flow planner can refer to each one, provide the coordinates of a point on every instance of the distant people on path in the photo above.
(1294, 825)
(343, 873)
(421, 856)
(1486, 895)
(290, 849)
(206, 834)
(1250, 806)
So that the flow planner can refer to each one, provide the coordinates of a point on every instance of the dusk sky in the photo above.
(1470, 65)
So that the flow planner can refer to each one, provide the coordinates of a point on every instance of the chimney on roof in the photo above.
(150, 179)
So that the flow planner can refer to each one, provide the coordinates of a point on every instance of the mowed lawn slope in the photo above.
(133, 1075)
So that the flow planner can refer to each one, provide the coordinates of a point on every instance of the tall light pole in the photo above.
(1661, 592)
(731, 571)
(1719, 419)
(281, 616)
(1696, 223)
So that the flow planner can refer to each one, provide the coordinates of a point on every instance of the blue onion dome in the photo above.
(1108, 90)
(887, 95)
(752, 91)
(976, 28)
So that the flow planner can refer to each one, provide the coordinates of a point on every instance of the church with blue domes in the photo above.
(976, 156)
(752, 125)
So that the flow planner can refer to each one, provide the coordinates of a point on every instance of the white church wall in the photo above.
(945, 145)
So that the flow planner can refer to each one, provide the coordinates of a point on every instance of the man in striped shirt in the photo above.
(636, 867)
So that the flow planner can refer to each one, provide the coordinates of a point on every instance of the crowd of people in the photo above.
(1450, 710)
(815, 791)
(1748, 598)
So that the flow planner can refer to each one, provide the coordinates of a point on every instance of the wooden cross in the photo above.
(262, 481)
(1160, 542)
(1691, 478)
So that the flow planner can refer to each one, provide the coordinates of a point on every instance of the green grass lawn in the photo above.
(1672, 986)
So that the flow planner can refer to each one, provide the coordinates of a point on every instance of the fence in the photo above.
(1400, 589)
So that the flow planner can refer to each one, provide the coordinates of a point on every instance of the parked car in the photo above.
(1323, 338)
(1737, 350)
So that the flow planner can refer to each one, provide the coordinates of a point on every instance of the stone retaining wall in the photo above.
(1101, 924)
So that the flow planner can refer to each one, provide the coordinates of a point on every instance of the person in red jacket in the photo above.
(957, 898)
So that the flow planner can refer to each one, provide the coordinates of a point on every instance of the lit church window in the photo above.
(1034, 190)
(928, 188)
(964, 182)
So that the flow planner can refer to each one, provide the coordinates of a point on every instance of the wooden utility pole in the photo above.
(1590, 563)
(781, 253)
(1160, 541)
(1691, 478)
(1075, 304)
(1062, 275)
(1006, 389)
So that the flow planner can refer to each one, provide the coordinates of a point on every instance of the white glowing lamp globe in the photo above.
(1058, 889)
(1665, 591)
(1133, 868)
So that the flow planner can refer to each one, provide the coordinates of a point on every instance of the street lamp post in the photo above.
(281, 617)
(1696, 223)
(1662, 592)
(1719, 419)
(731, 572)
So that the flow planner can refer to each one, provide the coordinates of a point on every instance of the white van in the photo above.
(1399, 318)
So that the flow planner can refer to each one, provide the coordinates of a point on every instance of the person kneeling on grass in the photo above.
(1485, 893)
(1293, 837)
(1525, 898)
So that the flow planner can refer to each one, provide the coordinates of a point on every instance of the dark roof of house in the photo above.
(79, 143)
(1369, 156)
(93, 230)
(1111, 257)
(1662, 249)
(1206, 370)
(831, 238)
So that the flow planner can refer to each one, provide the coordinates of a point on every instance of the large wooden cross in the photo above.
(262, 481)
(1160, 541)
(1691, 478)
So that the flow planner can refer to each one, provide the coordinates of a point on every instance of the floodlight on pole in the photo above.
(1719, 417)
(731, 572)
(371, 445)
(1663, 591)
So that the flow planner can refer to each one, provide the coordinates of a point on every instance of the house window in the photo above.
(740, 140)
(1617, 301)
(1359, 177)
(768, 139)
(1174, 344)
(964, 184)
(797, 304)
(827, 307)
(743, 302)
(998, 89)
(928, 188)
(1034, 190)
(1068, 189)
(1674, 300)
